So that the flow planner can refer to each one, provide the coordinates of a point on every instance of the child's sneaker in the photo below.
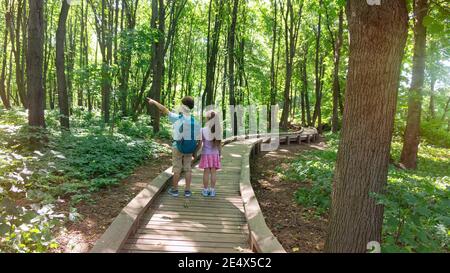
(187, 193)
(173, 192)
(212, 193)
(205, 192)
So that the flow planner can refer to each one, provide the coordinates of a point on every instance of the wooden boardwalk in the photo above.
(199, 224)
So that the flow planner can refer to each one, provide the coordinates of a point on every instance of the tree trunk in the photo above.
(231, 55)
(3, 93)
(63, 98)
(377, 39)
(155, 92)
(411, 136)
(432, 106)
(317, 109)
(16, 47)
(292, 25)
(212, 51)
(336, 88)
(35, 63)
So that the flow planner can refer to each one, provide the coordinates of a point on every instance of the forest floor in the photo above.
(296, 228)
(99, 212)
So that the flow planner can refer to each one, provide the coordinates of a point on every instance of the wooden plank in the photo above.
(184, 249)
(198, 197)
(192, 224)
(183, 209)
(185, 215)
(196, 229)
(204, 205)
(173, 242)
(195, 237)
(217, 221)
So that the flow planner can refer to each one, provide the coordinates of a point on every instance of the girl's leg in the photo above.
(206, 173)
(213, 178)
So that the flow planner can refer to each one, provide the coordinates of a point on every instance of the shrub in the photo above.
(417, 202)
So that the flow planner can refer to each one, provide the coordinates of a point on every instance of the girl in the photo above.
(211, 152)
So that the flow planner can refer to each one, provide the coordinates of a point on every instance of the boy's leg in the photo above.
(177, 162)
(187, 167)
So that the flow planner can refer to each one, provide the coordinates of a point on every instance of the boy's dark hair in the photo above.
(188, 101)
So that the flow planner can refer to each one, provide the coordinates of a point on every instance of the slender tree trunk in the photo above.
(292, 25)
(273, 83)
(317, 107)
(231, 58)
(3, 93)
(35, 63)
(16, 47)
(63, 98)
(446, 109)
(377, 40)
(155, 92)
(432, 106)
(336, 88)
(411, 137)
(212, 51)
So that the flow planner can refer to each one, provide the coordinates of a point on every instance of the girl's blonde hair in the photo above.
(209, 116)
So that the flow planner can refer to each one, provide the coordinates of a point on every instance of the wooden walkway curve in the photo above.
(230, 222)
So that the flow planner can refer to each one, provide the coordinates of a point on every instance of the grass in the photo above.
(72, 166)
(417, 202)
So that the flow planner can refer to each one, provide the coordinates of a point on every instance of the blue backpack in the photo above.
(187, 146)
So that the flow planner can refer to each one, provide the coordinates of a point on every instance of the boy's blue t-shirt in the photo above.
(174, 118)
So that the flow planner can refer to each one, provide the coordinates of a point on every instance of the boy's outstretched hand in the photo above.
(151, 101)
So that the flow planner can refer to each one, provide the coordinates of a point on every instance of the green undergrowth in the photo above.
(417, 202)
(36, 175)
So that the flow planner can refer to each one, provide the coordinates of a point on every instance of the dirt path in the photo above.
(99, 212)
(296, 229)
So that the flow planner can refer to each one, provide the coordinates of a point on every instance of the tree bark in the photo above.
(377, 40)
(3, 93)
(63, 98)
(317, 107)
(292, 25)
(336, 87)
(35, 63)
(155, 92)
(231, 55)
(411, 138)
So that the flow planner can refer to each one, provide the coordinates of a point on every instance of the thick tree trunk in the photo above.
(63, 98)
(411, 137)
(377, 39)
(35, 63)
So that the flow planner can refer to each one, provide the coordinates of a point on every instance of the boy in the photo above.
(180, 161)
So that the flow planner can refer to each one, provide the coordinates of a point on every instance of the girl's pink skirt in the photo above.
(210, 161)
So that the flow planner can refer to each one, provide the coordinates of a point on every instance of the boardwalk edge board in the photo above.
(261, 238)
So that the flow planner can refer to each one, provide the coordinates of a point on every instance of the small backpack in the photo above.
(187, 146)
